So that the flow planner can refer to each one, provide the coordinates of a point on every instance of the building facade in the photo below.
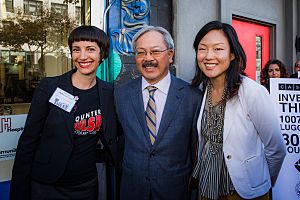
(32, 47)
(281, 17)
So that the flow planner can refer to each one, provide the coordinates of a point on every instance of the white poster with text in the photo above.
(286, 94)
(11, 127)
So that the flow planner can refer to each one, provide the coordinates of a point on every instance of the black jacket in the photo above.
(46, 143)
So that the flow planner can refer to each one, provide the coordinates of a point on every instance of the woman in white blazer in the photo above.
(241, 149)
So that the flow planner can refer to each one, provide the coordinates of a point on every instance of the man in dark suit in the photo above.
(158, 115)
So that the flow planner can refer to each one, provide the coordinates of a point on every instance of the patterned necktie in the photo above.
(151, 114)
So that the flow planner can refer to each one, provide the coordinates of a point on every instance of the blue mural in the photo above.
(127, 17)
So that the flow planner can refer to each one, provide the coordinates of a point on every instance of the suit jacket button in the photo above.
(147, 178)
(229, 157)
(152, 154)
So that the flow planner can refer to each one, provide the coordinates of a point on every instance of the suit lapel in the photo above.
(138, 106)
(174, 98)
(103, 103)
(229, 116)
(65, 83)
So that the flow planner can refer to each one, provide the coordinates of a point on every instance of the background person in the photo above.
(296, 69)
(241, 149)
(157, 112)
(56, 153)
(273, 69)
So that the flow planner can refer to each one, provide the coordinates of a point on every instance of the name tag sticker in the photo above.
(63, 99)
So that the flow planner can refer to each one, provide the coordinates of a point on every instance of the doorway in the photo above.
(255, 39)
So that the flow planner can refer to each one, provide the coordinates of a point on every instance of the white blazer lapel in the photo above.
(229, 116)
(200, 138)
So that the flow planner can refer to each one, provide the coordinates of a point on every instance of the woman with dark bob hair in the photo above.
(273, 69)
(69, 115)
(241, 149)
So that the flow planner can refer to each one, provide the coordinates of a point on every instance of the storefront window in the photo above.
(33, 45)
(78, 14)
(9, 4)
(32, 7)
(60, 8)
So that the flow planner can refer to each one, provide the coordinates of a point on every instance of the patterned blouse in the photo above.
(214, 179)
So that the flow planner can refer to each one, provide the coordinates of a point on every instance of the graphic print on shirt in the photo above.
(88, 123)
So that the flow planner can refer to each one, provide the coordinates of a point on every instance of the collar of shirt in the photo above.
(160, 96)
(163, 85)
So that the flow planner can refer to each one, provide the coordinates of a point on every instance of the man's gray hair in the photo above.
(167, 36)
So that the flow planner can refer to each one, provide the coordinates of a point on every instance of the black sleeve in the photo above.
(28, 143)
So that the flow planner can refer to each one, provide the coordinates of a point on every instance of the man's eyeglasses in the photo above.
(154, 53)
(297, 65)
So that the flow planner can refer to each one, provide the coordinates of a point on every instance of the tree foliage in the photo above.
(48, 30)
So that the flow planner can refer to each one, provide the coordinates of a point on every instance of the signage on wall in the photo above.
(286, 94)
(11, 127)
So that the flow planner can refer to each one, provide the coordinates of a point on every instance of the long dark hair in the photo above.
(236, 67)
(264, 77)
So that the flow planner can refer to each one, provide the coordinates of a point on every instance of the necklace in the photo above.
(215, 120)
